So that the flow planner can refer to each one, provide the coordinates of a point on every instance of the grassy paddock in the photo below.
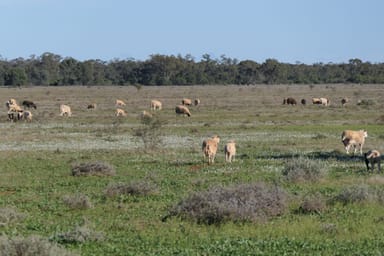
(36, 161)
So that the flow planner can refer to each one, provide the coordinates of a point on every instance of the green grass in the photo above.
(36, 160)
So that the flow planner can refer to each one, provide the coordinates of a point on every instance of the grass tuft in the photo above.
(245, 202)
(93, 169)
(77, 201)
(301, 169)
(10, 215)
(30, 246)
(134, 188)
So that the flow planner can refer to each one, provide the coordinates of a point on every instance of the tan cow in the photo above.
(145, 115)
(354, 138)
(186, 102)
(209, 148)
(156, 105)
(182, 110)
(197, 102)
(65, 110)
(120, 112)
(230, 151)
(316, 101)
(325, 101)
(120, 103)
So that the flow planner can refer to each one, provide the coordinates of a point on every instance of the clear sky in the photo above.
(307, 31)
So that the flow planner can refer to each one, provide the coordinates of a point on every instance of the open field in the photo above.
(36, 160)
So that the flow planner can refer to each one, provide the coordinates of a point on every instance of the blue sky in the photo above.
(307, 31)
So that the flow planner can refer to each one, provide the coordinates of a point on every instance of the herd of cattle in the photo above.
(349, 138)
(316, 101)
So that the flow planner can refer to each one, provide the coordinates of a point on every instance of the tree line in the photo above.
(52, 69)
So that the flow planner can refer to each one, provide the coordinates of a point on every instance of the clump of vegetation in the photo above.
(245, 202)
(354, 194)
(33, 245)
(80, 234)
(150, 132)
(312, 204)
(93, 169)
(10, 215)
(319, 136)
(329, 228)
(300, 169)
(134, 188)
(77, 201)
(365, 102)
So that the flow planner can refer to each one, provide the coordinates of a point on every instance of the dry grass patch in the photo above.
(244, 202)
(10, 215)
(77, 201)
(301, 169)
(30, 246)
(134, 188)
(93, 169)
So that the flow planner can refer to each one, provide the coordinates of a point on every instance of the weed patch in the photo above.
(93, 169)
(245, 202)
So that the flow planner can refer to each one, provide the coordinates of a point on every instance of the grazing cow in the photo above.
(230, 151)
(186, 102)
(325, 101)
(65, 110)
(316, 101)
(289, 101)
(29, 104)
(344, 101)
(120, 103)
(197, 102)
(26, 115)
(120, 112)
(372, 157)
(354, 138)
(10, 102)
(303, 102)
(156, 105)
(92, 106)
(209, 148)
(182, 110)
(145, 115)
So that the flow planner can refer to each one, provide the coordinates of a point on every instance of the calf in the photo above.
(372, 157)
(209, 148)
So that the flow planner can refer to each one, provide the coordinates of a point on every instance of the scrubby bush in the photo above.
(359, 193)
(150, 132)
(245, 202)
(93, 169)
(312, 204)
(77, 201)
(30, 246)
(134, 188)
(300, 169)
(10, 215)
(80, 234)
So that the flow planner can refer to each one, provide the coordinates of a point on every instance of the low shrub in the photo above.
(77, 201)
(80, 234)
(30, 246)
(93, 169)
(300, 169)
(359, 193)
(244, 202)
(10, 215)
(134, 188)
(312, 204)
